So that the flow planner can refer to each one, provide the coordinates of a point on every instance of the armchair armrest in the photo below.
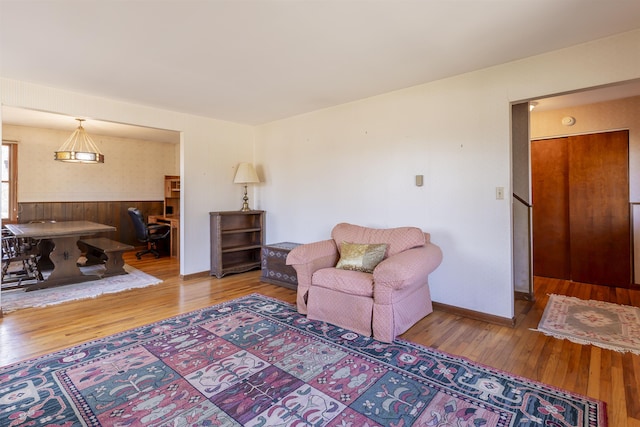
(408, 268)
(158, 229)
(157, 226)
(307, 259)
(312, 252)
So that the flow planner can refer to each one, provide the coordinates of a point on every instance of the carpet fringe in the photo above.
(583, 301)
(587, 342)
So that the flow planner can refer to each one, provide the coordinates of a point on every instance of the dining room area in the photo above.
(62, 217)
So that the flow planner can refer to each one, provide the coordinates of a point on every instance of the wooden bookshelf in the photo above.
(236, 241)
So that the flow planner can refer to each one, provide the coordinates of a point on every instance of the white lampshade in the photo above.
(245, 174)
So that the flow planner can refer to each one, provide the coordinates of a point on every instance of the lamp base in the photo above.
(245, 204)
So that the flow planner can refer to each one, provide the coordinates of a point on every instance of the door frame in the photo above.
(522, 229)
(521, 218)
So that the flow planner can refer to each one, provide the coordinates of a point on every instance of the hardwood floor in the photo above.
(602, 374)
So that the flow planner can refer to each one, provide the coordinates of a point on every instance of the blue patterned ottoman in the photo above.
(274, 265)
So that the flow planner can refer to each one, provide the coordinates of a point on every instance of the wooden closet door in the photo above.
(599, 209)
(550, 213)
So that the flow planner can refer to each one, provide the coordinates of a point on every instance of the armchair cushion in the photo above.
(348, 282)
(361, 257)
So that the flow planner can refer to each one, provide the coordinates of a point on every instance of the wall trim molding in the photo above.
(475, 315)
(198, 275)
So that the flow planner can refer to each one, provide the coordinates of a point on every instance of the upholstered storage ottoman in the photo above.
(274, 265)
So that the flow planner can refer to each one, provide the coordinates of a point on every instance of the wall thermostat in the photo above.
(568, 121)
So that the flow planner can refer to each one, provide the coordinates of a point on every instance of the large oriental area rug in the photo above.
(603, 324)
(255, 361)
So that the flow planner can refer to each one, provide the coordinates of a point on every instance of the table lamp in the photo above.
(245, 174)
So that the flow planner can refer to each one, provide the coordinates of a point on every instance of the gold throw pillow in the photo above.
(361, 257)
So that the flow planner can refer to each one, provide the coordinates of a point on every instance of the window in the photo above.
(9, 202)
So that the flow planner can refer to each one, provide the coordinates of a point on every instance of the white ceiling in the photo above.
(254, 61)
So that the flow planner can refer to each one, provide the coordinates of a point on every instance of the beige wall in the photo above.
(133, 169)
(357, 162)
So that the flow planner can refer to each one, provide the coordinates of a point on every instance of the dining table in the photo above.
(64, 236)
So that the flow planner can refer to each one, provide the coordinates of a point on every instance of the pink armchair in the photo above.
(383, 303)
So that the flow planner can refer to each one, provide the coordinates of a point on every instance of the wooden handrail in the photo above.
(521, 200)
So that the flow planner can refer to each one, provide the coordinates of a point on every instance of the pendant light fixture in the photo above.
(79, 148)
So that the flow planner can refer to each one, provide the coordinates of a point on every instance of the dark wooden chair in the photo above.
(19, 259)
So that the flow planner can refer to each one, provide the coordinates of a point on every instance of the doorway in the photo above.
(596, 109)
(581, 219)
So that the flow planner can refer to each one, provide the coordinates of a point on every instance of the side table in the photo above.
(274, 265)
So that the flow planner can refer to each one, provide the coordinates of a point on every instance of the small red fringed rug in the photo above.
(603, 324)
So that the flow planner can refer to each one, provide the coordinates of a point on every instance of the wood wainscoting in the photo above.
(112, 213)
